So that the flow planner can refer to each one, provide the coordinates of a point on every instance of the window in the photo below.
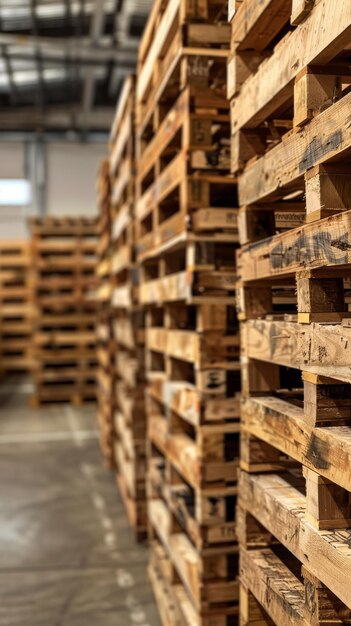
(14, 192)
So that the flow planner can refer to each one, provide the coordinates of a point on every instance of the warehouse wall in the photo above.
(12, 165)
(71, 178)
(70, 181)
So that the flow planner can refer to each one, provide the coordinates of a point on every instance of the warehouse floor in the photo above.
(67, 556)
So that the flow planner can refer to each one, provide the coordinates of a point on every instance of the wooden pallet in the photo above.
(64, 338)
(271, 558)
(290, 95)
(180, 172)
(122, 378)
(63, 226)
(285, 173)
(190, 269)
(187, 230)
(301, 71)
(208, 582)
(106, 378)
(184, 43)
(16, 308)
(130, 424)
(193, 440)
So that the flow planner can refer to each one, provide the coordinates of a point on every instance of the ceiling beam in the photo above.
(97, 28)
(77, 48)
(63, 118)
(9, 73)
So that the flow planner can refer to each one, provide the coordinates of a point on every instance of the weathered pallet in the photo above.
(178, 201)
(173, 602)
(320, 244)
(172, 50)
(64, 339)
(209, 578)
(200, 493)
(65, 226)
(164, 591)
(269, 504)
(205, 456)
(195, 270)
(296, 70)
(16, 309)
(193, 116)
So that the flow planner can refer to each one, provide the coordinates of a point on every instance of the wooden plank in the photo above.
(151, 24)
(257, 23)
(168, 179)
(325, 32)
(122, 297)
(188, 402)
(179, 286)
(121, 221)
(281, 509)
(122, 181)
(122, 259)
(299, 10)
(317, 348)
(123, 137)
(158, 43)
(275, 587)
(127, 91)
(323, 243)
(283, 426)
(188, 563)
(215, 218)
(326, 136)
(211, 349)
(170, 125)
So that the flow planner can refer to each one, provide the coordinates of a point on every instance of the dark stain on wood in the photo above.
(317, 150)
(308, 249)
(317, 454)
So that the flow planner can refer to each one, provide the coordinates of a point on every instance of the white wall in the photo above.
(70, 182)
(12, 165)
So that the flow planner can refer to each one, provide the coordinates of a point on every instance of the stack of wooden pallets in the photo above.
(64, 338)
(128, 318)
(105, 342)
(15, 306)
(186, 229)
(289, 80)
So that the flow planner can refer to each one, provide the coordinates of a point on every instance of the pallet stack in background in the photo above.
(186, 229)
(104, 331)
(15, 306)
(64, 334)
(128, 318)
(289, 79)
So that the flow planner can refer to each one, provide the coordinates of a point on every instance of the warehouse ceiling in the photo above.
(62, 63)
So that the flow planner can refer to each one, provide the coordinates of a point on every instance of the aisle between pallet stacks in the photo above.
(68, 557)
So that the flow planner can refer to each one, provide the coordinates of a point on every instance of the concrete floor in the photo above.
(67, 557)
